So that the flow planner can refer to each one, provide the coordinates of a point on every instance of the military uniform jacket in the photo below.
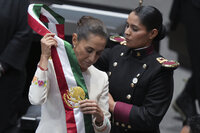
(140, 85)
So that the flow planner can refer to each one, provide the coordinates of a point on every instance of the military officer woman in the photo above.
(140, 79)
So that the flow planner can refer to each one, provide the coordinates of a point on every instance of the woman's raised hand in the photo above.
(46, 43)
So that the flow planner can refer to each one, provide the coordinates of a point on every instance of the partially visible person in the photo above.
(140, 79)
(15, 43)
(89, 41)
(192, 125)
(187, 12)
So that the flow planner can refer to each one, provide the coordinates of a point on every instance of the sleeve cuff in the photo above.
(42, 68)
(103, 126)
(122, 112)
(40, 78)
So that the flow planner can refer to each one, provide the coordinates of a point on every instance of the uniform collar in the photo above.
(140, 52)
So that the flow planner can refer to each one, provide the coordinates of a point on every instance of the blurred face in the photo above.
(88, 51)
(135, 33)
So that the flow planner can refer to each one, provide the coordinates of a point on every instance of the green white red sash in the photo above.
(43, 20)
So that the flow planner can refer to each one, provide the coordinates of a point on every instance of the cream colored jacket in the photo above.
(44, 91)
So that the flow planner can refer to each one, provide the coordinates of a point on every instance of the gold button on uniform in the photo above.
(115, 64)
(117, 123)
(129, 126)
(109, 73)
(132, 85)
(138, 54)
(121, 54)
(144, 66)
(128, 96)
(123, 125)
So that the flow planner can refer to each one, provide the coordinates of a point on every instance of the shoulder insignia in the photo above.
(167, 63)
(117, 38)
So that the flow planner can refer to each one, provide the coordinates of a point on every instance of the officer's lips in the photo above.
(127, 40)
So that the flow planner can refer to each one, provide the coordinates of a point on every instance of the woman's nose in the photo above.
(92, 57)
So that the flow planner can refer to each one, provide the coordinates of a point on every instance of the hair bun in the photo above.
(83, 19)
(161, 33)
(90, 25)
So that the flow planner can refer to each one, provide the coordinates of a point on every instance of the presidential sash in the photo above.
(69, 76)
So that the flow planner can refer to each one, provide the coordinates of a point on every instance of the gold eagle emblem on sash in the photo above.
(73, 96)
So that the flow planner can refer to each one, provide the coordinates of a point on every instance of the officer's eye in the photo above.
(134, 28)
(127, 25)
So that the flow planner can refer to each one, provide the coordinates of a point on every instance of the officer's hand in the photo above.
(111, 103)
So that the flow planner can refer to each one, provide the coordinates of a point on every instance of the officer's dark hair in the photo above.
(194, 124)
(89, 25)
(151, 18)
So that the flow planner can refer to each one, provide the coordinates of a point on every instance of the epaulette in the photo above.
(168, 63)
(117, 38)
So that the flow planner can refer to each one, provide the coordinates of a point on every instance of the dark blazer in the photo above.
(196, 3)
(137, 79)
(15, 41)
(189, 13)
(184, 11)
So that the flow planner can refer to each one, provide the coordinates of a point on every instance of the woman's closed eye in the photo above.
(89, 50)
(134, 28)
